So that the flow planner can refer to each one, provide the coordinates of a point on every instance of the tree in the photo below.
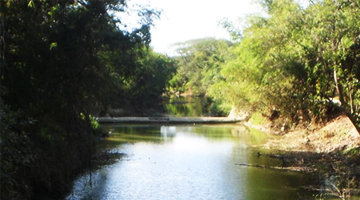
(255, 80)
(149, 80)
(57, 69)
(335, 38)
(296, 59)
(199, 63)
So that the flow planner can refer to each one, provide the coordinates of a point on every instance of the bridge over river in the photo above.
(170, 120)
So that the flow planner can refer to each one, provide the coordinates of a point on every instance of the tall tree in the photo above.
(57, 65)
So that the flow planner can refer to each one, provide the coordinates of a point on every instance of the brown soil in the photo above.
(338, 134)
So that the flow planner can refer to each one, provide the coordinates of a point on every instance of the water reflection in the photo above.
(187, 107)
(187, 162)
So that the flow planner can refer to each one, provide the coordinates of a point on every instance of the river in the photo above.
(188, 162)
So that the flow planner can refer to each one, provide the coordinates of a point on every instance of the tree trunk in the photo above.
(351, 98)
(344, 105)
(353, 121)
(339, 89)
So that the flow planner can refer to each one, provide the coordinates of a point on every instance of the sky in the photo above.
(183, 20)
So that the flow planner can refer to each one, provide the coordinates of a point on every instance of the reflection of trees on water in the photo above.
(189, 107)
(248, 135)
(135, 133)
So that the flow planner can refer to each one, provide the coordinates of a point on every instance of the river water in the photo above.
(188, 162)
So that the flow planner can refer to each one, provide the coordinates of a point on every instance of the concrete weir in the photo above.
(169, 120)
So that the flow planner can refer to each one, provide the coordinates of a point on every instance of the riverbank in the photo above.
(332, 149)
(338, 134)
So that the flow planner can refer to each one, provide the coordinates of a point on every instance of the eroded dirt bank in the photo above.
(338, 134)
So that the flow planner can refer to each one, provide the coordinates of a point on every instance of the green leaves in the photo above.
(295, 51)
(31, 4)
(199, 64)
(53, 45)
(63, 62)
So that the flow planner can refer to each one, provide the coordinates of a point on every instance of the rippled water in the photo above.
(188, 162)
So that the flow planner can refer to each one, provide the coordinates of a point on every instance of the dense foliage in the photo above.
(296, 61)
(61, 63)
(198, 67)
(148, 81)
(199, 64)
(301, 58)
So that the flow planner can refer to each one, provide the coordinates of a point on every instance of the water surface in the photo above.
(188, 162)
